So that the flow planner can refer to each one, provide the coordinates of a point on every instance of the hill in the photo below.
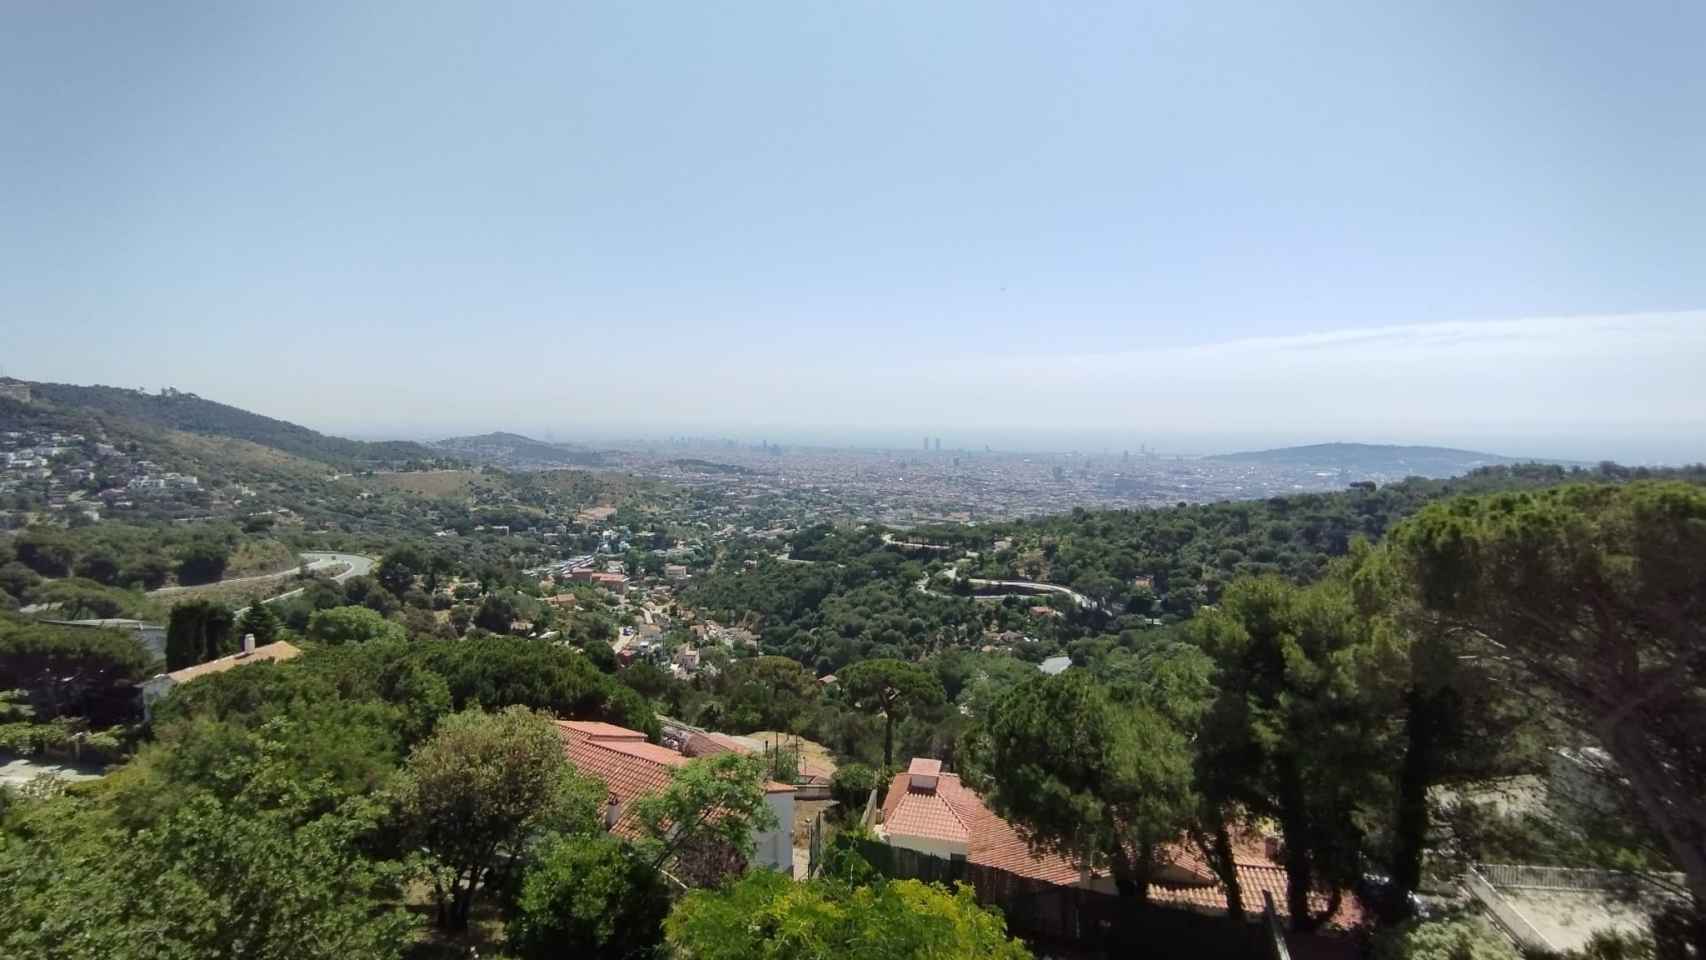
(518, 452)
(1372, 459)
(188, 413)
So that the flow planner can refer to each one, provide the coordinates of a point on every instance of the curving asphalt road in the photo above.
(358, 566)
(1028, 588)
(316, 561)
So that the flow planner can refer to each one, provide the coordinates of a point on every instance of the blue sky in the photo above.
(809, 217)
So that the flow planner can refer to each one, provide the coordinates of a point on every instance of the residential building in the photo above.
(630, 768)
(161, 684)
(932, 812)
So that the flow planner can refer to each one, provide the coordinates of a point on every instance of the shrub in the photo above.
(588, 896)
(851, 786)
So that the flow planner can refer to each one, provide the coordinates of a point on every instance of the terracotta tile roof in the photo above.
(603, 731)
(1253, 880)
(628, 765)
(954, 812)
(923, 814)
(703, 744)
(268, 653)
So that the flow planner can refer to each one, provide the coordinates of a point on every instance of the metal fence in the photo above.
(1504, 913)
(1523, 876)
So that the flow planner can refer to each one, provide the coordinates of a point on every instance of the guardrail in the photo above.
(1524, 876)
(1504, 913)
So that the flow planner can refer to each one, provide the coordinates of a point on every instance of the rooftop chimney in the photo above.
(922, 774)
(248, 644)
(612, 812)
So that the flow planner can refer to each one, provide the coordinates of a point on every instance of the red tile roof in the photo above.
(954, 812)
(628, 765)
(271, 652)
(603, 731)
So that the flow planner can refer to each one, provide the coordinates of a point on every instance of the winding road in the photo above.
(358, 565)
(1027, 588)
(316, 561)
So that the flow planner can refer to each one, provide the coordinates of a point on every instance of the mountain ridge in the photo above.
(184, 412)
(508, 449)
(1377, 458)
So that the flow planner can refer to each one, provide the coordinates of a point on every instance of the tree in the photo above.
(501, 671)
(65, 668)
(260, 621)
(768, 693)
(851, 788)
(46, 551)
(1459, 938)
(1103, 784)
(352, 625)
(1289, 736)
(1459, 723)
(150, 571)
(198, 631)
(766, 916)
(17, 579)
(398, 568)
(601, 654)
(218, 883)
(706, 817)
(496, 613)
(890, 687)
(477, 789)
(99, 566)
(588, 896)
(203, 561)
(1595, 592)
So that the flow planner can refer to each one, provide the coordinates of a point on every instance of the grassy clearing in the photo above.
(430, 483)
(255, 557)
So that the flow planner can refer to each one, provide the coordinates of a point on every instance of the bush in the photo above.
(1455, 938)
(203, 562)
(851, 787)
(588, 896)
(352, 625)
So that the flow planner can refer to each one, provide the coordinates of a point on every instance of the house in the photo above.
(932, 812)
(675, 571)
(614, 582)
(161, 684)
(630, 767)
(1055, 666)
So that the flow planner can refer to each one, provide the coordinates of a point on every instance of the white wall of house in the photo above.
(153, 689)
(774, 849)
(933, 846)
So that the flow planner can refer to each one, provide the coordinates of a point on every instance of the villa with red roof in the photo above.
(631, 767)
(934, 813)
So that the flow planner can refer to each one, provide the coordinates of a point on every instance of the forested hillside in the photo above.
(1183, 556)
(516, 451)
(173, 410)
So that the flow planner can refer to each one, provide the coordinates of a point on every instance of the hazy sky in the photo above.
(1073, 224)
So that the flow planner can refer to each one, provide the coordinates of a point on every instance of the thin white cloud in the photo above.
(1628, 386)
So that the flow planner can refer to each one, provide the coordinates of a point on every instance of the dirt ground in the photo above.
(812, 753)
